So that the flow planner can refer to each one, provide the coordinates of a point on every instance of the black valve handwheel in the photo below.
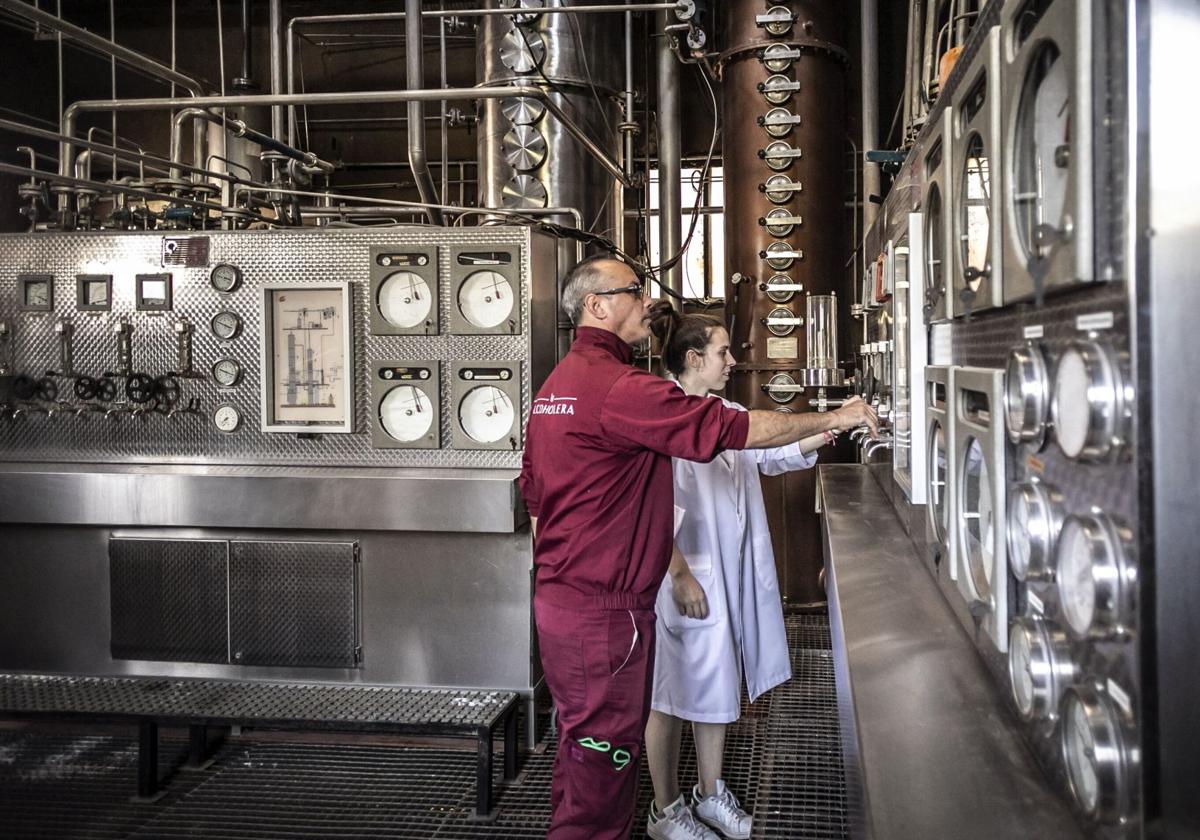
(23, 387)
(166, 388)
(47, 389)
(85, 388)
(106, 389)
(139, 387)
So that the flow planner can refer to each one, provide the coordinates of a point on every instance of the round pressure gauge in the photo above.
(225, 277)
(404, 299)
(780, 296)
(778, 155)
(227, 419)
(937, 476)
(1039, 667)
(777, 122)
(406, 413)
(781, 379)
(1026, 395)
(522, 110)
(1035, 515)
(777, 195)
(1042, 154)
(976, 219)
(977, 525)
(524, 147)
(782, 20)
(776, 262)
(777, 57)
(522, 50)
(486, 299)
(777, 89)
(781, 321)
(226, 325)
(1088, 406)
(1095, 580)
(779, 228)
(1097, 758)
(935, 236)
(486, 414)
(227, 373)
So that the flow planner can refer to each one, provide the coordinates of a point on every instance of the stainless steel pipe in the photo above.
(869, 13)
(239, 129)
(414, 63)
(670, 219)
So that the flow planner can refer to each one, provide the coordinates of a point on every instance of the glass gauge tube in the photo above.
(977, 525)
(486, 414)
(1088, 404)
(781, 396)
(227, 373)
(406, 413)
(1034, 519)
(1039, 667)
(404, 299)
(226, 325)
(934, 245)
(1093, 577)
(1026, 394)
(1042, 154)
(976, 220)
(225, 277)
(938, 473)
(1095, 754)
(486, 299)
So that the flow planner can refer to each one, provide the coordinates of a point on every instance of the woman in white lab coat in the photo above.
(720, 617)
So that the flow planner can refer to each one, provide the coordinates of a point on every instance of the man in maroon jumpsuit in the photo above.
(596, 479)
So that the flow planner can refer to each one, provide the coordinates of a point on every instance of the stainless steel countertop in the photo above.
(931, 749)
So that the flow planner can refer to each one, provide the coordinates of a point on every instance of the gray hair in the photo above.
(586, 278)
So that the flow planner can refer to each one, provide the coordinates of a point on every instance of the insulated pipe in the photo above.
(670, 219)
(71, 114)
(414, 63)
(239, 129)
(870, 108)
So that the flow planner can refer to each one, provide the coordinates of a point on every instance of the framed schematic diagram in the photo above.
(307, 359)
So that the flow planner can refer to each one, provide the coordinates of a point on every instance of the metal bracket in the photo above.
(774, 221)
(778, 87)
(780, 55)
(784, 322)
(781, 255)
(784, 389)
(768, 122)
(780, 155)
(781, 287)
(776, 15)
(788, 186)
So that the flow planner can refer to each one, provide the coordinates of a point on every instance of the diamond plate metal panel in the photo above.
(293, 603)
(300, 257)
(167, 600)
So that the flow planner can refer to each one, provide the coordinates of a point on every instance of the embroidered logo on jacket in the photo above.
(554, 405)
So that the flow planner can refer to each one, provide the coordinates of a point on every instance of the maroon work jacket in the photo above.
(597, 472)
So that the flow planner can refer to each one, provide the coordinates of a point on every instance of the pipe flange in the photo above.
(524, 148)
(524, 192)
(522, 51)
(523, 110)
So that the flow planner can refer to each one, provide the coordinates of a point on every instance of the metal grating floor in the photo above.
(783, 760)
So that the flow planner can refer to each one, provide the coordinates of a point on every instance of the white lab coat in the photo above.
(699, 663)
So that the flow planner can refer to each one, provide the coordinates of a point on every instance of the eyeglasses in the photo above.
(635, 289)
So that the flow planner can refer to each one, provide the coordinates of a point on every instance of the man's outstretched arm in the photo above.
(776, 428)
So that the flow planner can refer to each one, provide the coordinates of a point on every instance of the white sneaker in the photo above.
(722, 812)
(676, 822)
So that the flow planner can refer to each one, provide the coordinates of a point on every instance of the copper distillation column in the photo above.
(783, 71)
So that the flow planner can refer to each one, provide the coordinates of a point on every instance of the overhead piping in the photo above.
(415, 130)
(870, 107)
(670, 201)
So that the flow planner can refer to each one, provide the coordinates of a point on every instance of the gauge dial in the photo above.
(486, 299)
(1026, 394)
(226, 325)
(1034, 520)
(225, 277)
(37, 292)
(1039, 667)
(1042, 154)
(934, 244)
(977, 514)
(406, 413)
(95, 292)
(976, 218)
(227, 373)
(1093, 577)
(227, 418)
(486, 414)
(404, 299)
(1088, 403)
(1095, 753)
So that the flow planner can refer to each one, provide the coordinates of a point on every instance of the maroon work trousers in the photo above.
(599, 665)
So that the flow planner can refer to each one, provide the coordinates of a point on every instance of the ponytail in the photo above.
(680, 333)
